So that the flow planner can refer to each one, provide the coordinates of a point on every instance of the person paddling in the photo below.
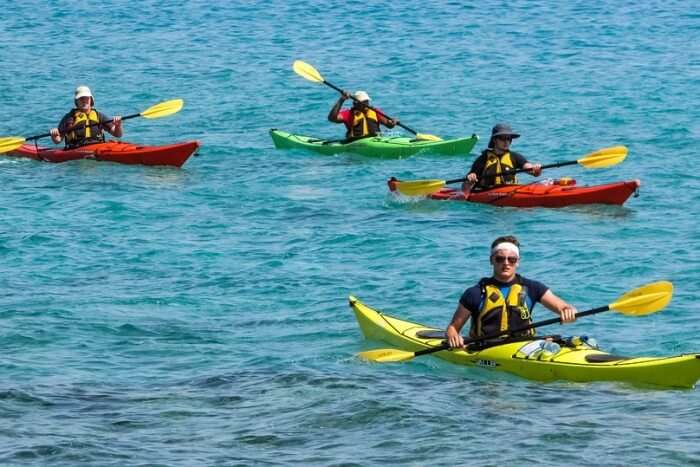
(492, 166)
(505, 300)
(360, 121)
(76, 127)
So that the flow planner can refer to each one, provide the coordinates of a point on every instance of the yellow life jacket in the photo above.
(497, 165)
(501, 314)
(81, 133)
(364, 124)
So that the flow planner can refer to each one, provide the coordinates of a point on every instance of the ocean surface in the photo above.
(153, 316)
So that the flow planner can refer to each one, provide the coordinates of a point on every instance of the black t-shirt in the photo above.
(480, 162)
(472, 300)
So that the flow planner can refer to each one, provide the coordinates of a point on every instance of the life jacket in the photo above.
(363, 124)
(499, 313)
(81, 133)
(497, 165)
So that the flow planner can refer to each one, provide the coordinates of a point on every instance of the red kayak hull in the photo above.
(548, 195)
(114, 151)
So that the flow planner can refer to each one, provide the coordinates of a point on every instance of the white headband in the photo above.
(508, 246)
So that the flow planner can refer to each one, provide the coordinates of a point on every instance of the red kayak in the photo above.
(549, 194)
(114, 151)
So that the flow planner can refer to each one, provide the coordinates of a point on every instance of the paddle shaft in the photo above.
(46, 135)
(548, 166)
(512, 331)
(372, 108)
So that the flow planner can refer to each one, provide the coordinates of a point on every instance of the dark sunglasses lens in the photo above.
(502, 259)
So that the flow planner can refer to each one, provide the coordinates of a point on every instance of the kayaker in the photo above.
(360, 121)
(75, 125)
(505, 300)
(490, 168)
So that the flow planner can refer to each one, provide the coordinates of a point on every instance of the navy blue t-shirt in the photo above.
(472, 300)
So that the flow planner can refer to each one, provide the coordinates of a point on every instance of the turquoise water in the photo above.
(155, 316)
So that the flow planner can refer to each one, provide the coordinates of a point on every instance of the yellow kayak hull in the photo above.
(579, 363)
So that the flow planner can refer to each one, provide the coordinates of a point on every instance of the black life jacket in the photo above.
(497, 165)
(81, 133)
(364, 123)
(499, 313)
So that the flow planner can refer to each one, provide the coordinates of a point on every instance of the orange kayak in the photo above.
(552, 194)
(114, 151)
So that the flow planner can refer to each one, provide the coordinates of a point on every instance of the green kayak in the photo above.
(377, 146)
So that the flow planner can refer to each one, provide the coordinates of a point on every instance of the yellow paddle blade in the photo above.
(10, 143)
(386, 355)
(605, 157)
(419, 187)
(644, 300)
(163, 109)
(306, 71)
(427, 137)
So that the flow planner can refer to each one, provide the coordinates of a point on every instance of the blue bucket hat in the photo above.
(502, 129)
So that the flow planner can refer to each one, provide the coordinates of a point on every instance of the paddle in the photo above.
(641, 301)
(601, 158)
(163, 109)
(310, 73)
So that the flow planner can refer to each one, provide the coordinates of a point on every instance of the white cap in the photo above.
(361, 96)
(82, 91)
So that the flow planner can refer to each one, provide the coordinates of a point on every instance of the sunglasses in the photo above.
(502, 259)
(505, 138)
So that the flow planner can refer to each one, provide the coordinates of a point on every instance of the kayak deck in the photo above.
(579, 363)
(114, 151)
(377, 146)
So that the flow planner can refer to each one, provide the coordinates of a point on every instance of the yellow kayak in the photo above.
(573, 361)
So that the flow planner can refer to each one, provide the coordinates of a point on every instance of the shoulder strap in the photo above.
(483, 282)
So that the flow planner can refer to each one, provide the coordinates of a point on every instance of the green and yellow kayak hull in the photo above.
(378, 146)
(578, 363)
